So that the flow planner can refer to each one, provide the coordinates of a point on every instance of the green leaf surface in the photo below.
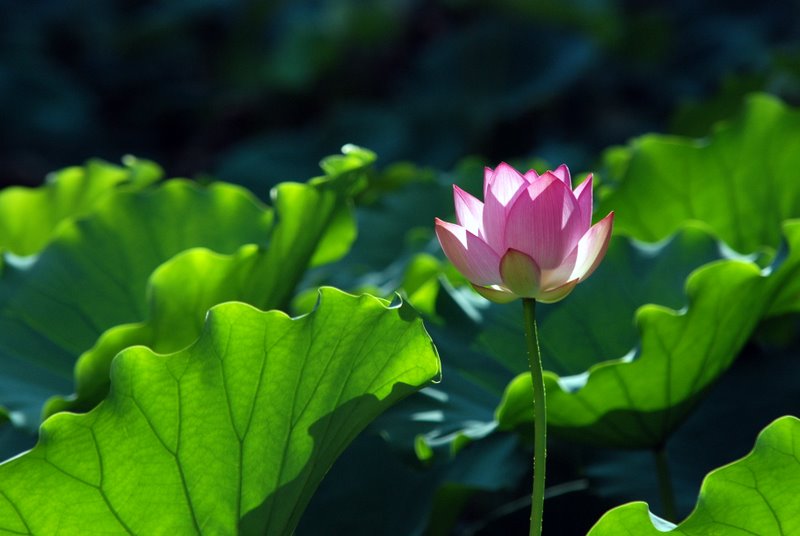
(754, 495)
(131, 235)
(232, 434)
(637, 401)
(313, 224)
(741, 181)
(93, 276)
(29, 216)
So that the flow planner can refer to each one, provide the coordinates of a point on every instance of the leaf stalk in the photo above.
(665, 488)
(540, 416)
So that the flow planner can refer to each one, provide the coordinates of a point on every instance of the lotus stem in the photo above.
(665, 484)
(540, 416)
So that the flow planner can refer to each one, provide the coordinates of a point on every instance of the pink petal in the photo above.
(469, 211)
(583, 193)
(592, 248)
(562, 172)
(531, 175)
(488, 175)
(495, 295)
(520, 273)
(555, 277)
(557, 294)
(544, 222)
(469, 254)
(494, 223)
(506, 182)
(506, 186)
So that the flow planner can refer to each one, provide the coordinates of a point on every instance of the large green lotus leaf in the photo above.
(232, 434)
(637, 401)
(754, 495)
(742, 180)
(181, 290)
(93, 275)
(29, 216)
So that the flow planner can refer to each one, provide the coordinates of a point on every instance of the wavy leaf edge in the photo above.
(640, 508)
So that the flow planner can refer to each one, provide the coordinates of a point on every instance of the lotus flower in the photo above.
(532, 237)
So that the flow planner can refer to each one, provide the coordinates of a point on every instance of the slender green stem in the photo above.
(540, 416)
(665, 484)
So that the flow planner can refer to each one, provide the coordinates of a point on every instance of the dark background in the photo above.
(257, 92)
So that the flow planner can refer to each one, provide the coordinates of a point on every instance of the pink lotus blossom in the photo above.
(532, 237)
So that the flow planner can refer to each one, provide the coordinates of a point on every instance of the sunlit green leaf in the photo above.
(325, 224)
(185, 287)
(741, 181)
(754, 495)
(29, 216)
(130, 236)
(93, 275)
(235, 431)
